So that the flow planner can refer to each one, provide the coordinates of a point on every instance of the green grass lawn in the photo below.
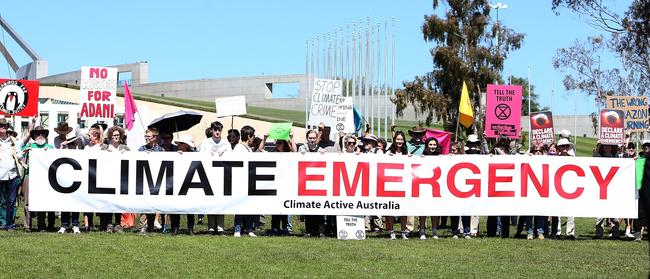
(49, 255)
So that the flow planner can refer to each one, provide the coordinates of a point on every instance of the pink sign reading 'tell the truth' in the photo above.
(503, 112)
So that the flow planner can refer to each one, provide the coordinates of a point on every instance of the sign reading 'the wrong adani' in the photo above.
(503, 113)
(325, 100)
(98, 93)
(635, 109)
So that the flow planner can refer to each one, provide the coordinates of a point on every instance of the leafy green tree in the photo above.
(465, 49)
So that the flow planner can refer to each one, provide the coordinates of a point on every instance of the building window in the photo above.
(61, 117)
(44, 119)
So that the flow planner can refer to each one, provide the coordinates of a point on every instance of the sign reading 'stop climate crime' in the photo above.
(97, 96)
(325, 99)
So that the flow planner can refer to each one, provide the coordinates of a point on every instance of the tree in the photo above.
(629, 37)
(466, 51)
(534, 98)
(581, 63)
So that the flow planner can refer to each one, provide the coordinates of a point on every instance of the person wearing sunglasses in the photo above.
(39, 141)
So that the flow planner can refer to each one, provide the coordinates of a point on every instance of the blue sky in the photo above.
(209, 39)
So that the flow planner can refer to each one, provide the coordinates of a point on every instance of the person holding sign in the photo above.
(246, 221)
(184, 144)
(39, 137)
(397, 148)
(215, 146)
(607, 151)
(431, 148)
(12, 172)
(151, 137)
(280, 224)
(564, 148)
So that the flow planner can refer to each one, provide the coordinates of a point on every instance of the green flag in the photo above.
(640, 166)
(280, 131)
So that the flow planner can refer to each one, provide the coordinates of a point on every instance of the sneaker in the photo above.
(404, 236)
(109, 228)
(468, 237)
(530, 237)
(219, 229)
(143, 230)
(392, 236)
(252, 234)
(118, 229)
(210, 231)
(435, 237)
(629, 235)
(423, 237)
(76, 230)
(237, 234)
(157, 224)
(571, 237)
(200, 222)
(540, 237)
(455, 237)
(61, 230)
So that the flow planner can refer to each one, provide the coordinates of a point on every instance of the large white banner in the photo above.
(331, 184)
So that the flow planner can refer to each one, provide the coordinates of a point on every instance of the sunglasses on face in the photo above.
(4, 126)
(351, 142)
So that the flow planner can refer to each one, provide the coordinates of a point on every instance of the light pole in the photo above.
(498, 6)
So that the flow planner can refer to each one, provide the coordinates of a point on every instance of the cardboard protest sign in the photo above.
(503, 113)
(229, 106)
(280, 131)
(611, 127)
(18, 97)
(345, 116)
(541, 126)
(635, 109)
(97, 93)
(350, 228)
(325, 98)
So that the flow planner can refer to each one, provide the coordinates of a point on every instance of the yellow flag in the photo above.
(466, 113)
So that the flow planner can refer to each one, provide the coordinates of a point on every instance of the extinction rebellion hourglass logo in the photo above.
(13, 97)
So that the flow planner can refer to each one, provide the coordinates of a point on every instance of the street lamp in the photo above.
(498, 6)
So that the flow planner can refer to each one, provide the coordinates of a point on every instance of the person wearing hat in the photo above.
(369, 144)
(69, 220)
(184, 144)
(564, 148)
(416, 144)
(607, 151)
(11, 175)
(39, 141)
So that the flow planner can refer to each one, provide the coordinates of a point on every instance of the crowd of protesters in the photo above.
(14, 182)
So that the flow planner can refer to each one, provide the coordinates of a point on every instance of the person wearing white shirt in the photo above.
(215, 145)
(246, 221)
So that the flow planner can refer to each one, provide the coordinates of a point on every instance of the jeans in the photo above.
(246, 221)
(8, 194)
(533, 224)
(65, 219)
(494, 223)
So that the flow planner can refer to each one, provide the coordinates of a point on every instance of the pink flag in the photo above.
(444, 139)
(129, 108)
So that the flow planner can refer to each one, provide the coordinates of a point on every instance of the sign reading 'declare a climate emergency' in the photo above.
(331, 184)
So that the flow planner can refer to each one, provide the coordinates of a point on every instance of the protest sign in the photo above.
(325, 99)
(97, 93)
(503, 113)
(230, 106)
(611, 127)
(18, 97)
(345, 116)
(350, 228)
(635, 109)
(541, 126)
(280, 131)
(331, 184)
